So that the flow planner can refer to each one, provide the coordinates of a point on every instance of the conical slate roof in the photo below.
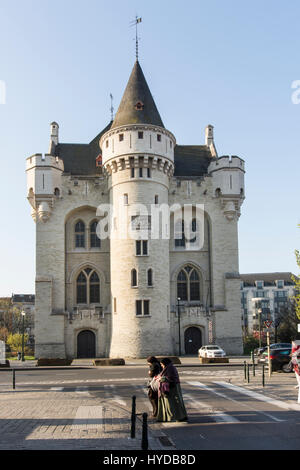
(137, 105)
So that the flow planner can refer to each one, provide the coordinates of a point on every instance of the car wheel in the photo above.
(287, 368)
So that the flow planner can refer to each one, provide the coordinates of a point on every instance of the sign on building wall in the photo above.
(2, 352)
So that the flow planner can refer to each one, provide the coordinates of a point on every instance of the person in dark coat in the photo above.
(154, 369)
(170, 402)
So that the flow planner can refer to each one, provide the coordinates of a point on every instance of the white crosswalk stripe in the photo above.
(218, 416)
(82, 390)
(259, 396)
(88, 417)
(239, 402)
(110, 393)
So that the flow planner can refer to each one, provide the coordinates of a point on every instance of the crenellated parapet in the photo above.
(44, 184)
(228, 184)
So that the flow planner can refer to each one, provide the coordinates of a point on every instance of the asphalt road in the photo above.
(223, 413)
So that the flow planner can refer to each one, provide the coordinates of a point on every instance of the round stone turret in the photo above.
(138, 160)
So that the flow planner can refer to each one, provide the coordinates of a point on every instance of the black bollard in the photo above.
(253, 363)
(245, 370)
(263, 375)
(14, 379)
(248, 375)
(145, 432)
(133, 417)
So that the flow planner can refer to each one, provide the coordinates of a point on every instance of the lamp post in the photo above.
(259, 311)
(178, 310)
(23, 330)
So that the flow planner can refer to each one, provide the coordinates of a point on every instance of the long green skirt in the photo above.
(171, 407)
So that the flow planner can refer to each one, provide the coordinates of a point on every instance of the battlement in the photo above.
(227, 162)
(44, 160)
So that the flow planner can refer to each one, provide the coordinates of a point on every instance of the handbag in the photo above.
(154, 384)
(165, 387)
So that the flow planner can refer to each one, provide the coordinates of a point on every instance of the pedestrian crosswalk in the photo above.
(217, 400)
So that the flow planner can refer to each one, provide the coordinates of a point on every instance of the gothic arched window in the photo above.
(182, 291)
(80, 234)
(88, 287)
(94, 239)
(94, 288)
(81, 288)
(188, 284)
(180, 234)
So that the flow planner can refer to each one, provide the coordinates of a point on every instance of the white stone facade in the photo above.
(127, 314)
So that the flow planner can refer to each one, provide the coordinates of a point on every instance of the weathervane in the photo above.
(135, 23)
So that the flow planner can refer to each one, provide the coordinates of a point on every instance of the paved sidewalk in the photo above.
(43, 420)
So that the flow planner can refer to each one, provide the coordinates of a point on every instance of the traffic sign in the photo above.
(268, 323)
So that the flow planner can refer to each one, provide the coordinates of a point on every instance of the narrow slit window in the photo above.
(140, 135)
(133, 278)
(150, 277)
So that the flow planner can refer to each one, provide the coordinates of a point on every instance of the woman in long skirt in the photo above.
(170, 402)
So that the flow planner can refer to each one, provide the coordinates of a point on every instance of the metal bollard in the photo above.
(145, 432)
(253, 363)
(263, 375)
(248, 375)
(245, 370)
(14, 379)
(133, 417)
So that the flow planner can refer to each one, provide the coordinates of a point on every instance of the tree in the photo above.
(15, 341)
(297, 287)
(287, 329)
(11, 317)
(3, 333)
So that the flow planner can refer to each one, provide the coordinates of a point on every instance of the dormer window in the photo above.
(139, 106)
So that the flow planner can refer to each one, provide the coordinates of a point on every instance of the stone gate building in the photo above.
(135, 296)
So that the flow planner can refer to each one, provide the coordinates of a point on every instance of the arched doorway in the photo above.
(86, 344)
(192, 340)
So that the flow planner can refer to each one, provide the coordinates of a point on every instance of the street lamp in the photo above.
(178, 310)
(259, 311)
(23, 330)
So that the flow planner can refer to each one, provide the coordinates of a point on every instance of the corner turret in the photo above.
(228, 184)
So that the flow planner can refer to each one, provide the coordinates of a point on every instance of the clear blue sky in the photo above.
(227, 63)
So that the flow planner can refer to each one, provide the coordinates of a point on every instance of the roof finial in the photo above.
(136, 22)
(111, 107)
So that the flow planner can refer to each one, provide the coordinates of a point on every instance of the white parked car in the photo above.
(211, 350)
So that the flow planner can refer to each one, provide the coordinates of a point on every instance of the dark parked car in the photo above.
(280, 358)
(272, 346)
